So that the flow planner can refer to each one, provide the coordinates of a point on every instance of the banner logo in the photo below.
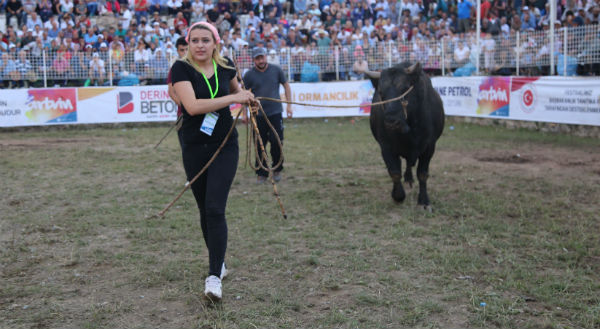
(528, 98)
(124, 102)
(493, 97)
(51, 105)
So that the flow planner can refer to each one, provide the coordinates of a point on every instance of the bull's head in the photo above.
(392, 83)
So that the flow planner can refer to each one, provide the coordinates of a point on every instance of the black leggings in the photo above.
(211, 191)
(267, 136)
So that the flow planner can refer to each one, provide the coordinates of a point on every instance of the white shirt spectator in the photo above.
(66, 6)
(381, 8)
(368, 28)
(32, 22)
(208, 5)
(141, 55)
(198, 9)
(174, 4)
(97, 64)
(254, 20)
(126, 18)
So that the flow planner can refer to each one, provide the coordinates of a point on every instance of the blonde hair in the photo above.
(216, 55)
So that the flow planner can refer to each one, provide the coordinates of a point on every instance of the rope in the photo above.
(162, 212)
(337, 106)
(305, 104)
(253, 112)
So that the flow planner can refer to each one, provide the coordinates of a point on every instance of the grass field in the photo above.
(513, 241)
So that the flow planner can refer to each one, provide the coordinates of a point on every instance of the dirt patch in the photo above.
(506, 158)
(40, 142)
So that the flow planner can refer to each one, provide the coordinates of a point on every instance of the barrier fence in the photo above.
(576, 52)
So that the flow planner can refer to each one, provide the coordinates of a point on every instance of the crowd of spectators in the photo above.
(73, 41)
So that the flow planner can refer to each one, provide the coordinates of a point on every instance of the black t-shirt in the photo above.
(190, 129)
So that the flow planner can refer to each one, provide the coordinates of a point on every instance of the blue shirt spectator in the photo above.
(310, 72)
(571, 65)
(464, 9)
(300, 6)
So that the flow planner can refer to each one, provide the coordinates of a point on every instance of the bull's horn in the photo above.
(413, 68)
(373, 74)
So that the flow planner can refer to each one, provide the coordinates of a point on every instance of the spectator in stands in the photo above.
(158, 67)
(464, 15)
(14, 8)
(92, 7)
(97, 70)
(310, 71)
(60, 67)
(25, 69)
(141, 56)
(103, 51)
(197, 10)
(34, 20)
(187, 10)
(112, 7)
(180, 21)
(156, 6)
(141, 9)
(527, 20)
(173, 7)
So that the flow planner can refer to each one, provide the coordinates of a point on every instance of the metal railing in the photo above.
(576, 52)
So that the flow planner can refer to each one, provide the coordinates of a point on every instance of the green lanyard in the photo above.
(216, 78)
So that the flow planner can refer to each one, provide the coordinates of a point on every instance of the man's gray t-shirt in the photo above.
(266, 84)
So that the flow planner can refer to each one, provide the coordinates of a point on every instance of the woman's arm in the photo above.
(194, 106)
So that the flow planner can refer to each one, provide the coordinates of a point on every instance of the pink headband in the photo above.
(207, 25)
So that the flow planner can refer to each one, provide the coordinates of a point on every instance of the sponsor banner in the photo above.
(556, 99)
(546, 99)
(330, 93)
(32, 107)
(459, 95)
(126, 104)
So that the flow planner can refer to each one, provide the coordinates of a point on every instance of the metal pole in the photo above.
(565, 52)
(289, 61)
(518, 50)
(552, 20)
(443, 57)
(45, 69)
(110, 68)
(337, 63)
(390, 53)
(478, 36)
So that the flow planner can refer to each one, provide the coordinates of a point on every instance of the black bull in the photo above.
(408, 127)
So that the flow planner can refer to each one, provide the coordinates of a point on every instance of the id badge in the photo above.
(209, 123)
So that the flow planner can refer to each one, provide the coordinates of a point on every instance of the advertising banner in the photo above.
(552, 99)
(35, 107)
(545, 99)
(332, 94)
(126, 104)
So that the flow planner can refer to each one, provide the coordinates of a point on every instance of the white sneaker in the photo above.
(224, 271)
(212, 288)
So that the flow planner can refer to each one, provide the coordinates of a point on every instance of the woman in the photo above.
(206, 85)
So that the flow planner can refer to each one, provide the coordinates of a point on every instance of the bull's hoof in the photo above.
(425, 207)
(398, 193)
(408, 179)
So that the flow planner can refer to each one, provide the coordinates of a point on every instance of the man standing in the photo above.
(182, 49)
(264, 80)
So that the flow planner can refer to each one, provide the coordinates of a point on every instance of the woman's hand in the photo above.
(243, 97)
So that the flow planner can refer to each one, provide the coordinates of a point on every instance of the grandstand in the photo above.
(77, 43)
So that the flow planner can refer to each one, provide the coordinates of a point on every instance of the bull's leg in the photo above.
(408, 176)
(394, 167)
(422, 175)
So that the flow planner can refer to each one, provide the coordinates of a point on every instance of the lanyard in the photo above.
(216, 79)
